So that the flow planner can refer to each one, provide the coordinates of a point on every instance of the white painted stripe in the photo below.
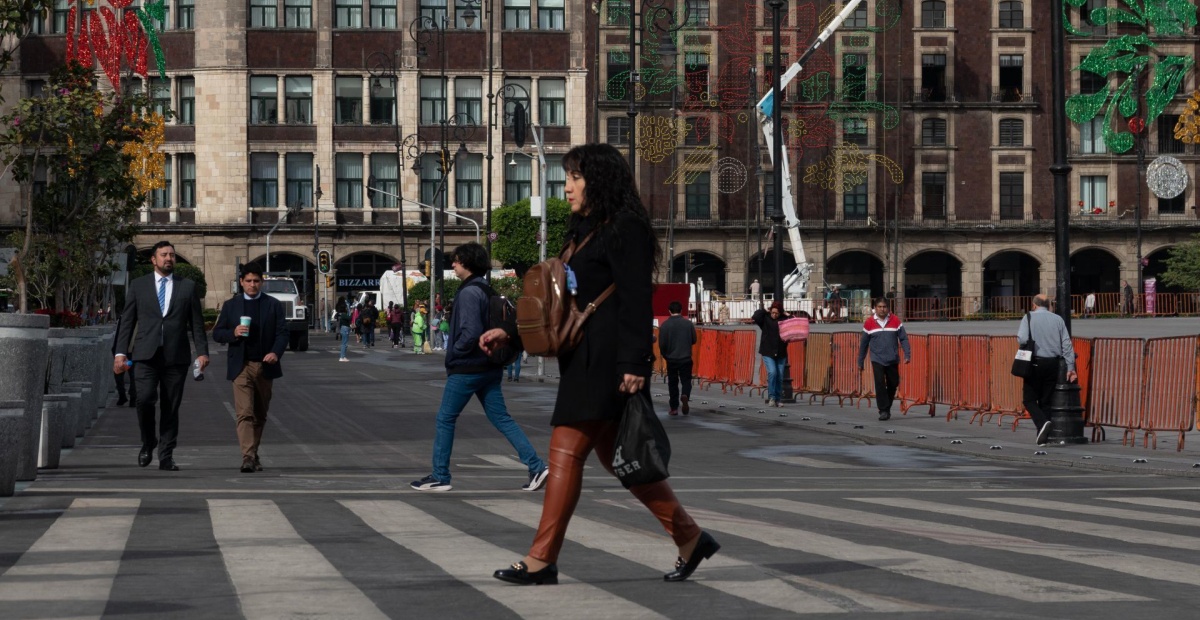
(69, 571)
(722, 573)
(804, 461)
(1130, 563)
(1157, 502)
(276, 573)
(1115, 532)
(908, 563)
(1101, 511)
(471, 561)
(502, 459)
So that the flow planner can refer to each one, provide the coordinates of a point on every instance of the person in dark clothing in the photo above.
(884, 336)
(773, 350)
(253, 358)
(1052, 348)
(612, 361)
(395, 319)
(675, 339)
(470, 373)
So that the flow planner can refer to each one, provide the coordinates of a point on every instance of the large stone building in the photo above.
(920, 136)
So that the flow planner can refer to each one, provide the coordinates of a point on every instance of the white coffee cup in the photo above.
(245, 321)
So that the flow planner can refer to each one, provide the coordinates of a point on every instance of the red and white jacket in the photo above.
(884, 340)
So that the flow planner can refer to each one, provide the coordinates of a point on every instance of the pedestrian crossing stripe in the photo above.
(1098, 511)
(1156, 502)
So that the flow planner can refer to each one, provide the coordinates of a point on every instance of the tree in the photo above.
(187, 271)
(1183, 265)
(89, 159)
(15, 20)
(516, 233)
(419, 293)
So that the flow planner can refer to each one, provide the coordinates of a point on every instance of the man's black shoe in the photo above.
(168, 464)
(884, 415)
(257, 464)
(247, 465)
(121, 401)
(145, 456)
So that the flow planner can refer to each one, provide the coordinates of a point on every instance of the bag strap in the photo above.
(572, 248)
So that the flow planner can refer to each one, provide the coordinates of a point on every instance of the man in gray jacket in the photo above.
(675, 339)
(1052, 347)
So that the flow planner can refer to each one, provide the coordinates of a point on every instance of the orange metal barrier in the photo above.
(932, 309)
(818, 365)
(1115, 393)
(914, 377)
(845, 376)
(1083, 368)
(943, 371)
(708, 361)
(743, 355)
(1004, 391)
(724, 355)
(866, 383)
(974, 376)
(1169, 392)
(796, 361)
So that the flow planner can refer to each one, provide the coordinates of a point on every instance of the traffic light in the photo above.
(328, 281)
(324, 261)
(445, 155)
(426, 269)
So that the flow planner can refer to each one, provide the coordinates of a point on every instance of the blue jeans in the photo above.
(514, 369)
(345, 330)
(774, 376)
(368, 334)
(458, 392)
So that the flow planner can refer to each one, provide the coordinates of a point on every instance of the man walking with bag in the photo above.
(884, 336)
(1052, 347)
(675, 339)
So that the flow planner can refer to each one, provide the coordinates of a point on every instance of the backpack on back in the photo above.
(501, 314)
(549, 321)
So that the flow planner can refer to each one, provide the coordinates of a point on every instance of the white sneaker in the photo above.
(1042, 433)
(536, 480)
(342, 359)
(429, 483)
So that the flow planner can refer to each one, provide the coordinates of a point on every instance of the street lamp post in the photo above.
(383, 65)
(777, 171)
(290, 210)
(658, 18)
(447, 165)
(317, 243)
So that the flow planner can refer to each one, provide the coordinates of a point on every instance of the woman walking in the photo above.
(773, 350)
(343, 323)
(612, 361)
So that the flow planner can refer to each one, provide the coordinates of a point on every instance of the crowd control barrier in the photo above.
(1004, 390)
(914, 380)
(1169, 394)
(1115, 396)
(844, 381)
(818, 365)
(943, 371)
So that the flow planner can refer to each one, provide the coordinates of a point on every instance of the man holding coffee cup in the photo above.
(257, 338)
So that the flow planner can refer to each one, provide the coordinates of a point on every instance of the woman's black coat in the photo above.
(617, 338)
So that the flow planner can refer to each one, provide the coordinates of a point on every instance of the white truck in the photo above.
(284, 289)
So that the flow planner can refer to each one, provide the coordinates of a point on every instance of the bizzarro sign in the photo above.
(350, 283)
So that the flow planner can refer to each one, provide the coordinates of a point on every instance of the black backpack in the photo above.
(502, 313)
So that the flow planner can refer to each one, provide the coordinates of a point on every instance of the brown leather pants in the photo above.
(569, 447)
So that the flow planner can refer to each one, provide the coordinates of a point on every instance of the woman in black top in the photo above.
(772, 348)
(612, 361)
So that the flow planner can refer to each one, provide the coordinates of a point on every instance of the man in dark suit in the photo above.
(162, 311)
(255, 346)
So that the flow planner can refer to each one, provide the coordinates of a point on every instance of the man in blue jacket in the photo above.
(470, 373)
(252, 362)
(884, 336)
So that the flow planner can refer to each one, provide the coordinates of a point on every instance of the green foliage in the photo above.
(1183, 265)
(184, 270)
(14, 25)
(419, 293)
(508, 287)
(210, 315)
(516, 233)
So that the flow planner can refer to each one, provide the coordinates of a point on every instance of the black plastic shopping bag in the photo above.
(642, 449)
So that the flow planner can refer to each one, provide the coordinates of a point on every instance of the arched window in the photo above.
(1012, 14)
(933, 14)
(1012, 132)
(933, 132)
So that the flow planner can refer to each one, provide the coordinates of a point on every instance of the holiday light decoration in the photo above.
(1187, 128)
(1166, 177)
(146, 160)
(1130, 55)
(658, 136)
(109, 40)
(847, 168)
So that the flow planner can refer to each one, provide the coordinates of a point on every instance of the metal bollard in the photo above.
(54, 418)
(1066, 411)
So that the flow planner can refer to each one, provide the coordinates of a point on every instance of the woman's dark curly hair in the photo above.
(609, 189)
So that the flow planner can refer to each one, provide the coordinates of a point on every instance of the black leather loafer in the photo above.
(168, 464)
(519, 574)
(705, 549)
(145, 456)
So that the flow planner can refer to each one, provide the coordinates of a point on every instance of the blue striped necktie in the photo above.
(162, 295)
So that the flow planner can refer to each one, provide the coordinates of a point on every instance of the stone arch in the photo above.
(1008, 275)
(761, 267)
(365, 263)
(1156, 265)
(285, 263)
(706, 265)
(931, 278)
(1095, 270)
(858, 273)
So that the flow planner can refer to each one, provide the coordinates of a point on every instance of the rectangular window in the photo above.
(264, 180)
(1012, 77)
(348, 14)
(297, 13)
(468, 186)
(552, 99)
(468, 99)
(460, 14)
(697, 133)
(854, 77)
(383, 14)
(618, 74)
(933, 195)
(131, 87)
(698, 197)
(36, 25)
(524, 87)
(933, 132)
(1012, 132)
(297, 93)
(347, 99)
(434, 10)
(264, 100)
(349, 180)
(1091, 137)
(617, 133)
(1086, 24)
(516, 14)
(187, 181)
(550, 14)
(1012, 14)
(383, 101)
(1167, 143)
(695, 71)
(299, 170)
(160, 96)
(36, 89)
(59, 20)
(161, 198)
(262, 13)
(385, 177)
(699, 15)
(933, 77)
(854, 131)
(187, 101)
(618, 12)
(518, 180)
(857, 19)
(431, 177)
(1093, 193)
(933, 14)
(854, 203)
(1172, 206)
(556, 178)
(1012, 195)
(433, 101)
(1091, 83)
(186, 17)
